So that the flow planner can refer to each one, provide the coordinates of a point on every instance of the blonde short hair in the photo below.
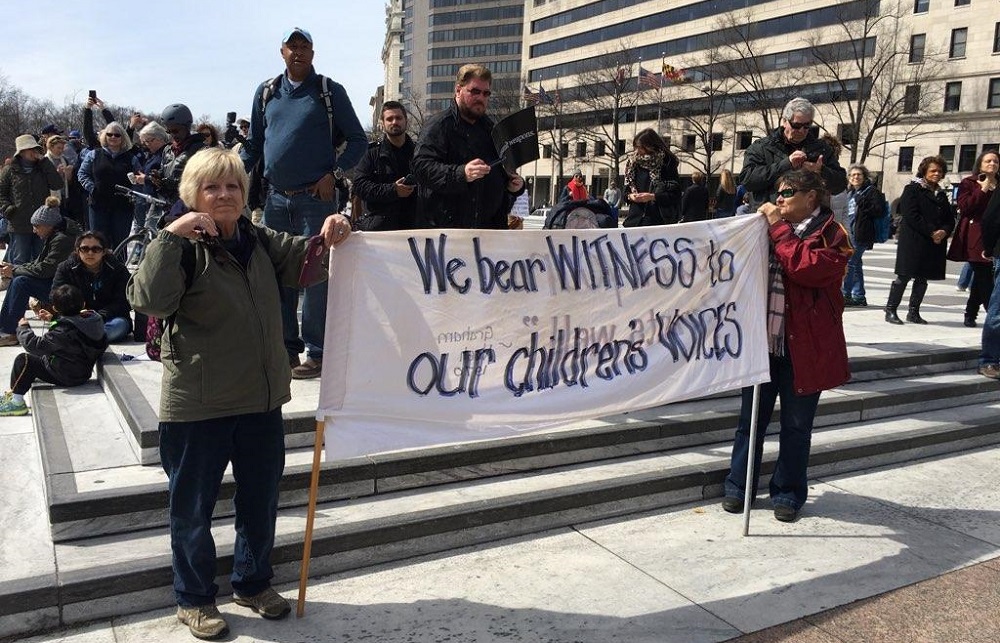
(115, 126)
(211, 164)
(470, 71)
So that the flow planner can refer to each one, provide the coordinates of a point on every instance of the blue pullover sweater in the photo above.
(295, 141)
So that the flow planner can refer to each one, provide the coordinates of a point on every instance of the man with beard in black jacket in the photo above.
(463, 184)
(793, 146)
(381, 181)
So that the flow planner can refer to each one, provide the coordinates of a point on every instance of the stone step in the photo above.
(84, 504)
(123, 574)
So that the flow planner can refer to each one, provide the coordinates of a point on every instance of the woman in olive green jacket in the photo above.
(214, 277)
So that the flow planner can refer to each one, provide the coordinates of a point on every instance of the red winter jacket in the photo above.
(814, 269)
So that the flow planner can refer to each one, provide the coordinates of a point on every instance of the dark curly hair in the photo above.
(928, 161)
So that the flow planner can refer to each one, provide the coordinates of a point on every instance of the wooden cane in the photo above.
(310, 518)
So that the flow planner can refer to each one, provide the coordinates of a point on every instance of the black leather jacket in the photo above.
(173, 164)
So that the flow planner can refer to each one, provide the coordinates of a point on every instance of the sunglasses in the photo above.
(475, 91)
(788, 193)
(90, 249)
(798, 126)
(113, 134)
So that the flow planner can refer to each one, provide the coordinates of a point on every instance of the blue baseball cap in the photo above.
(296, 30)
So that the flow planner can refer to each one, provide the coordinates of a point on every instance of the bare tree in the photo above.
(882, 87)
(416, 110)
(702, 114)
(606, 95)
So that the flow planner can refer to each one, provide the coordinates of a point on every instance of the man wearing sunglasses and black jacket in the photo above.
(793, 146)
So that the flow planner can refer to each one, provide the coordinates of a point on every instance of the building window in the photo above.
(996, 38)
(947, 152)
(991, 146)
(716, 142)
(917, 43)
(952, 96)
(911, 101)
(966, 158)
(921, 6)
(993, 100)
(744, 139)
(962, 3)
(564, 150)
(689, 141)
(958, 39)
(581, 149)
(598, 148)
(905, 160)
(845, 132)
(620, 147)
(546, 151)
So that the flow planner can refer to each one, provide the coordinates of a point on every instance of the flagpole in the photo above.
(659, 95)
(748, 488)
(638, 93)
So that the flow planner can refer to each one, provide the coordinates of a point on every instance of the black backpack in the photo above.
(581, 215)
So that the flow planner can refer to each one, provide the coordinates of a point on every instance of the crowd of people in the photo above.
(232, 306)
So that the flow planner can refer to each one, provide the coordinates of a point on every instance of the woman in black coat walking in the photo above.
(927, 220)
(652, 185)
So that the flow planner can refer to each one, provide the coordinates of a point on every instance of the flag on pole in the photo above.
(530, 97)
(676, 76)
(620, 76)
(544, 97)
(649, 79)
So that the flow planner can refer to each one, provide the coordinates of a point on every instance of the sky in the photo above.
(209, 55)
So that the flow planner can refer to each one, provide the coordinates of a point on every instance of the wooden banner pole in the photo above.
(310, 518)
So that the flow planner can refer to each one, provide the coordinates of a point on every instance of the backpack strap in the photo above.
(270, 86)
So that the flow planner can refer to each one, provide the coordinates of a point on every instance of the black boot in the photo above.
(970, 320)
(916, 297)
(895, 296)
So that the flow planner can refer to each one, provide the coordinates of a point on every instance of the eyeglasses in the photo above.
(475, 91)
(90, 249)
(798, 126)
(113, 134)
(788, 193)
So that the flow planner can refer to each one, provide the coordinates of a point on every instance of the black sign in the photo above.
(516, 139)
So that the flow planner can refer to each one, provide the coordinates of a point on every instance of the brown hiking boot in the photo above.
(308, 369)
(268, 603)
(204, 621)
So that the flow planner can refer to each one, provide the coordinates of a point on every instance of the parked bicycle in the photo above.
(132, 250)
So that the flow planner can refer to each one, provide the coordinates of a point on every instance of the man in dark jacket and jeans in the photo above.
(390, 202)
(463, 184)
(793, 146)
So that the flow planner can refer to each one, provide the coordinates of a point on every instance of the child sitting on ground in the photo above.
(65, 355)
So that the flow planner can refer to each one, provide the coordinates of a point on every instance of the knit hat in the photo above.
(48, 214)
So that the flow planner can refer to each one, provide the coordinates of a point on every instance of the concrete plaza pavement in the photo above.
(903, 553)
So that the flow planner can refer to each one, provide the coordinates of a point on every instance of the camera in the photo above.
(93, 94)
(814, 156)
(230, 118)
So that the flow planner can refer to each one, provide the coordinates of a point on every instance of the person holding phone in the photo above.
(795, 145)
(974, 193)
(225, 378)
(383, 180)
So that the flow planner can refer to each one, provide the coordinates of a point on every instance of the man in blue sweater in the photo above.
(296, 124)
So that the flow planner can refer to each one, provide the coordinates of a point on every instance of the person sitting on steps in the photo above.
(65, 355)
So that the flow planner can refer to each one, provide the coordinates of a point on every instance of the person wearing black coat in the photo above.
(390, 202)
(989, 357)
(101, 278)
(461, 183)
(865, 203)
(793, 146)
(694, 201)
(927, 221)
(652, 185)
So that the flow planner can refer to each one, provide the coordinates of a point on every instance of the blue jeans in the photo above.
(854, 279)
(789, 483)
(22, 248)
(15, 303)
(115, 223)
(991, 325)
(117, 329)
(965, 277)
(301, 214)
(194, 456)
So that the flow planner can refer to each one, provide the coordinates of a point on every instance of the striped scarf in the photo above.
(776, 295)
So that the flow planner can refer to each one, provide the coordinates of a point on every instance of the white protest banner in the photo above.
(442, 336)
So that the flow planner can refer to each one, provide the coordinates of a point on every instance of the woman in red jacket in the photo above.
(974, 193)
(808, 353)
